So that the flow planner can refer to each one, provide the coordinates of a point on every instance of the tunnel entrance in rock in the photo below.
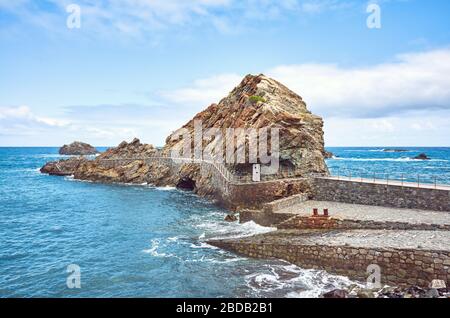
(186, 184)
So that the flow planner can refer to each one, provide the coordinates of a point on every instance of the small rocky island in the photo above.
(78, 148)
(422, 156)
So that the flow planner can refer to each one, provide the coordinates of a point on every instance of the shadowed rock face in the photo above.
(258, 102)
(77, 149)
(261, 102)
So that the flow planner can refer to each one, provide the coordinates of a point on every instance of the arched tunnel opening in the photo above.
(186, 184)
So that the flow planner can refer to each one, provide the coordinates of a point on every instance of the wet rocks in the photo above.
(77, 148)
(328, 155)
(62, 167)
(337, 293)
(231, 218)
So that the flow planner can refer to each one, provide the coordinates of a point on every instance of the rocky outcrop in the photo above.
(422, 156)
(77, 148)
(63, 167)
(258, 102)
(105, 168)
(328, 155)
(261, 102)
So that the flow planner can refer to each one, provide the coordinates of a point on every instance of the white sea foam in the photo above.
(153, 250)
(204, 245)
(165, 188)
(293, 282)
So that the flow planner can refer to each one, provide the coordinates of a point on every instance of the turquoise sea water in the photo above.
(375, 162)
(141, 241)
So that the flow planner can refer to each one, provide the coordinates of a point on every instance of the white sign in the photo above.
(256, 173)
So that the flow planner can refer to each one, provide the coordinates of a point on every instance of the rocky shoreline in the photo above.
(437, 289)
(301, 147)
(260, 102)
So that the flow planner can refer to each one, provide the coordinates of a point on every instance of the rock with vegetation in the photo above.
(78, 148)
(261, 102)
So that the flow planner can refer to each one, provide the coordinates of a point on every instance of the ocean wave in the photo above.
(153, 250)
(376, 150)
(222, 230)
(389, 159)
(291, 281)
(165, 188)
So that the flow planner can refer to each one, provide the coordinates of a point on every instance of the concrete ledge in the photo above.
(285, 202)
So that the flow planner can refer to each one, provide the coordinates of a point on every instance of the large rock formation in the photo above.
(77, 148)
(258, 102)
(261, 102)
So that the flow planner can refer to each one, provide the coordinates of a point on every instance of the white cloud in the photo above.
(403, 102)
(204, 91)
(136, 18)
(411, 83)
(24, 114)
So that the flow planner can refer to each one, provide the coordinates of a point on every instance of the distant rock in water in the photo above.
(395, 150)
(422, 156)
(77, 148)
(328, 155)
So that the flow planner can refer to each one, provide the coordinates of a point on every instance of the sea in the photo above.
(144, 241)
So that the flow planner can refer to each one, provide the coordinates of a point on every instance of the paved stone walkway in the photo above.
(369, 212)
(422, 240)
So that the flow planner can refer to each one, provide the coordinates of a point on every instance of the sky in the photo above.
(143, 68)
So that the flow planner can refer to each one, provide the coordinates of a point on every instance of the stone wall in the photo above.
(256, 195)
(398, 266)
(380, 194)
(305, 222)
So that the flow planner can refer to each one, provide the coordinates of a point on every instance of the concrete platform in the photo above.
(370, 213)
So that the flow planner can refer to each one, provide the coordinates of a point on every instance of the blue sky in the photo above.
(142, 68)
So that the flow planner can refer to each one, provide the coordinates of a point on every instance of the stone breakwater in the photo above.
(350, 253)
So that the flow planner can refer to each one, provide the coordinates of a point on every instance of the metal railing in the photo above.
(391, 178)
(229, 176)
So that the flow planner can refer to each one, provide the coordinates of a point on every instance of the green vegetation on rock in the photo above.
(257, 99)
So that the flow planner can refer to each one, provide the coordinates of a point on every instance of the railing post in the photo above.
(387, 178)
(435, 182)
(402, 179)
(418, 180)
